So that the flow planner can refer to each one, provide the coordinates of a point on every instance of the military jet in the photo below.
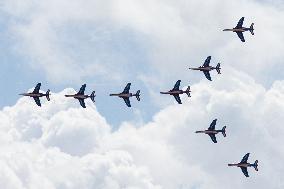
(239, 29)
(205, 68)
(81, 96)
(212, 132)
(176, 91)
(244, 165)
(36, 94)
(125, 94)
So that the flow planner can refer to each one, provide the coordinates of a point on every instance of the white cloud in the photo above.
(64, 146)
(58, 146)
(91, 38)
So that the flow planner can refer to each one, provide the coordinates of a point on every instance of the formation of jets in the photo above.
(175, 92)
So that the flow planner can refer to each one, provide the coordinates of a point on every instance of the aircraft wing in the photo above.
(240, 23)
(241, 36)
(37, 101)
(176, 87)
(213, 138)
(177, 99)
(127, 88)
(245, 171)
(207, 61)
(82, 89)
(37, 88)
(212, 125)
(82, 103)
(245, 158)
(127, 102)
(207, 75)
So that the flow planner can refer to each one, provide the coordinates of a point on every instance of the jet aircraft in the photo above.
(36, 94)
(81, 96)
(176, 91)
(125, 94)
(205, 68)
(212, 132)
(244, 165)
(239, 29)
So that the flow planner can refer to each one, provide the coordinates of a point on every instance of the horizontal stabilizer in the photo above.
(138, 95)
(255, 165)
(218, 68)
(224, 131)
(93, 96)
(251, 29)
(47, 95)
(188, 91)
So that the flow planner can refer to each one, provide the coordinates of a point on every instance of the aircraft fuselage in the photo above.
(210, 131)
(242, 29)
(177, 92)
(241, 165)
(201, 68)
(33, 94)
(124, 95)
(78, 96)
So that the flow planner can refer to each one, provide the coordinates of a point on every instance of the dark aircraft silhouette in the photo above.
(125, 94)
(176, 91)
(36, 94)
(244, 165)
(239, 29)
(206, 68)
(81, 96)
(212, 132)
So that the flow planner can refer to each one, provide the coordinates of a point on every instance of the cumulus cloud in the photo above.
(58, 146)
(64, 146)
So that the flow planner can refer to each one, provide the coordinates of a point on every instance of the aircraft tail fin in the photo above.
(138, 95)
(224, 131)
(251, 29)
(255, 165)
(47, 95)
(188, 91)
(218, 68)
(93, 95)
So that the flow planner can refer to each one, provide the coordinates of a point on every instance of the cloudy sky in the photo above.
(150, 43)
